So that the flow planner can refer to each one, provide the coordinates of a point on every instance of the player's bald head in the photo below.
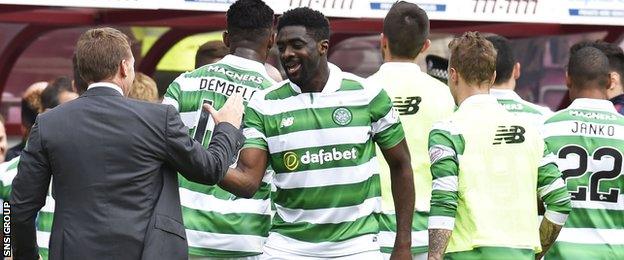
(588, 68)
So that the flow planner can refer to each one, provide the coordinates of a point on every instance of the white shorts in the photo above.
(255, 257)
(419, 256)
(274, 254)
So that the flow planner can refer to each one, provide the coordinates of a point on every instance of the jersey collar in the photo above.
(591, 103)
(247, 64)
(333, 82)
(478, 99)
(395, 65)
(504, 94)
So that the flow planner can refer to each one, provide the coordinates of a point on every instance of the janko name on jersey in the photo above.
(592, 129)
(226, 88)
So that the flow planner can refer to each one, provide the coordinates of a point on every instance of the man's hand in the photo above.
(231, 112)
(403, 253)
(548, 234)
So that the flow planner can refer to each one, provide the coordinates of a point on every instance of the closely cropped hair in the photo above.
(143, 88)
(505, 59)
(407, 27)
(613, 52)
(99, 52)
(314, 21)
(79, 83)
(249, 20)
(209, 51)
(588, 65)
(50, 95)
(473, 57)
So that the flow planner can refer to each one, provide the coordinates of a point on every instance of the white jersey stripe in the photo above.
(318, 137)
(448, 183)
(347, 247)
(391, 118)
(43, 239)
(330, 215)
(200, 201)
(543, 191)
(419, 238)
(230, 242)
(171, 101)
(599, 204)
(190, 118)
(327, 177)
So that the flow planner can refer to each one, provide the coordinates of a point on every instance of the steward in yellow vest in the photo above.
(488, 167)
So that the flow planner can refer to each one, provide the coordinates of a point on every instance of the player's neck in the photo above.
(592, 93)
(249, 54)
(464, 92)
(318, 81)
(399, 59)
(509, 85)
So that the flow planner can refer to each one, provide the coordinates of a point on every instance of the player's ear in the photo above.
(425, 46)
(516, 71)
(323, 47)
(226, 39)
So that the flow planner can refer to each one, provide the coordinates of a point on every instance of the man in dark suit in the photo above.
(114, 162)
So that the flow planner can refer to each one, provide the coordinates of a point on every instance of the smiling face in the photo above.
(300, 53)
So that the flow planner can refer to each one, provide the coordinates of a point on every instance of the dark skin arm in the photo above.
(244, 180)
(438, 240)
(402, 181)
(548, 234)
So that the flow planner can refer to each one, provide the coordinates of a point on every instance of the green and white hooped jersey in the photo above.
(512, 102)
(321, 146)
(588, 139)
(8, 170)
(219, 224)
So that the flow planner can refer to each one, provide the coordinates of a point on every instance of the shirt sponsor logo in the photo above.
(342, 116)
(509, 135)
(593, 115)
(292, 160)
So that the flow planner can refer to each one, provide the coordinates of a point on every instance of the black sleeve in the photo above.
(29, 190)
(191, 159)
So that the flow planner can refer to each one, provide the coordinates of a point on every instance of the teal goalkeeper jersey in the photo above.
(322, 148)
(8, 170)
(219, 224)
(588, 138)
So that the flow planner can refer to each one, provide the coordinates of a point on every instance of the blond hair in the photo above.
(473, 57)
(143, 88)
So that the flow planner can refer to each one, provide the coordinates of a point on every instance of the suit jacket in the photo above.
(114, 162)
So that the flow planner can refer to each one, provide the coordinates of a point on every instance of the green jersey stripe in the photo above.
(329, 196)
(322, 157)
(321, 137)
(207, 202)
(331, 232)
(565, 250)
(238, 223)
(218, 193)
(598, 218)
(587, 115)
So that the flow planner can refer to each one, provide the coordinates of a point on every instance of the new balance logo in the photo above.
(406, 105)
(510, 135)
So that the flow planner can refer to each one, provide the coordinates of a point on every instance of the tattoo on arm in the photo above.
(438, 240)
(548, 234)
